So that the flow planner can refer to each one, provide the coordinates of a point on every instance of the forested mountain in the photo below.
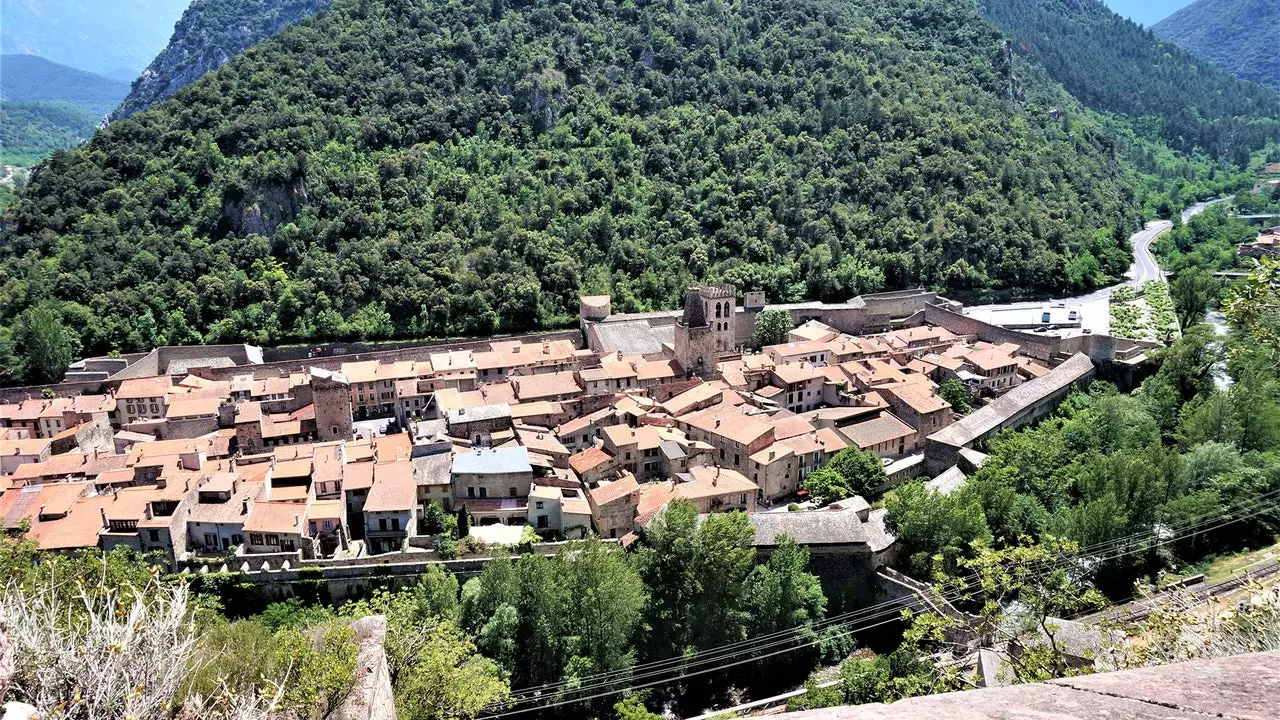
(427, 168)
(210, 33)
(116, 38)
(45, 106)
(1112, 65)
(27, 78)
(1236, 35)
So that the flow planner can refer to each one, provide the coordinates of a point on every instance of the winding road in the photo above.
(1144, 268)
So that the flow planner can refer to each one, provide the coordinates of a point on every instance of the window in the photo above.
(537, 505)
(395, 524)
(210, 540)
(255, 539)
(721, 453)
(471, 492)
(484, 492)
(327, 525)
(382, 524)
(335, 429)
(511, 492)
(542, 521)
(237, 539)
(312, 526)
(153, 535)
(273, 540)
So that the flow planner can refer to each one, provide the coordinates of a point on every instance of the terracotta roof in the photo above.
(798, 372)
(921, 397)
(192, 407)
(356, 476)
(544, 386)
(990, 359)
(146, 387)
(33, 446)
(276, 517)
(588, 460)
(394, 488)
(391, 448)
(612, 491)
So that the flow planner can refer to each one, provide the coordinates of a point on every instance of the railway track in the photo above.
(1139, 610)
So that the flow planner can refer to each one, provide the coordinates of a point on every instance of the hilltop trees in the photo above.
(394, 169)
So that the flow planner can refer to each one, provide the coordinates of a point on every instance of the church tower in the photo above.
(706, 329)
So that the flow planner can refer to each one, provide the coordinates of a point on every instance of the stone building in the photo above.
(706, 329)
(332, 395)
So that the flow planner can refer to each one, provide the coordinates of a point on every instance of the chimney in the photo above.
(102, 511)
(244, 506)
(717, 422)
(296, 519)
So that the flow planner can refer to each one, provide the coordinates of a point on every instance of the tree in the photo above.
(826, 486)
(446, 679)
(464, 522)
(934, 531)
(772, 327)
(957, 395)
(1192, 291)
(862, 471)
(782, 594)
(1018, 599)
(1253, 308)
(49, 346)
(695, 572)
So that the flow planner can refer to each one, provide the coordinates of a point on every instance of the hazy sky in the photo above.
(1147, 12)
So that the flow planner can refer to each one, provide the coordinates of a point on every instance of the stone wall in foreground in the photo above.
(1244, 687)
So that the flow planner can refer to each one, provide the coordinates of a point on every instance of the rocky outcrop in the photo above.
(210, 33)
(370, 697)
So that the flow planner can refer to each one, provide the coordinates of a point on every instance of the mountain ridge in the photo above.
(28, 78)
(1113, 65)
(1235, 35)
(209, 34)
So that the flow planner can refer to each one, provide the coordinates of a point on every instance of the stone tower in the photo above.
(706, 330)
(332, 395)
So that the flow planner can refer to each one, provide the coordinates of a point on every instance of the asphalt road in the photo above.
(1144, 268)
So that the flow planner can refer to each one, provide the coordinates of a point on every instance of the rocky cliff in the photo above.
(210, 33)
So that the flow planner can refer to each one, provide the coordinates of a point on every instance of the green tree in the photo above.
(1018, 598)
(447, 679)
(48, 347)
(826, 486)
(782, 594)
(862, 471)
(1192, 292)
(934, 531)
(695, 572)
(772, 327)
(957, 395)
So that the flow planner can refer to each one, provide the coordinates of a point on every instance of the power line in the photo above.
(750, 654)
(777, 638)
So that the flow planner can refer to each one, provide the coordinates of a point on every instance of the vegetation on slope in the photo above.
(26, 78)
(1113, 65)
(407, 168)
(1235, 35)
(210, 33)
(33, 130)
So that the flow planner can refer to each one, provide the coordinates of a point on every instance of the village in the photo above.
(194, 454)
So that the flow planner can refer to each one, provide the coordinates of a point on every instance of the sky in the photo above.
(1147, 12)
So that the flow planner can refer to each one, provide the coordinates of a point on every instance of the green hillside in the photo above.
(1112, 65)
(27, 78)
(31, 131)
(1236, 35)
(396, 167)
